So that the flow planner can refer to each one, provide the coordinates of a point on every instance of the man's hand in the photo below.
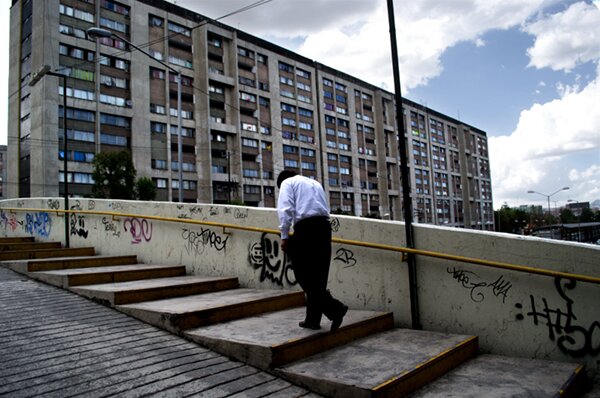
(284, 245)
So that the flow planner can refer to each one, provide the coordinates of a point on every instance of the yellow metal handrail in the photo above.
(486, 263)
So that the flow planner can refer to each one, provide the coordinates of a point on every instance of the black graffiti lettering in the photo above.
(574, 340)
(214, 211)
(471, 281)
(196, 242)
(273, 263)
(240, 214)
(53, 204)
(335, 224)
(345, 256)
(110, 226)
(78, 225)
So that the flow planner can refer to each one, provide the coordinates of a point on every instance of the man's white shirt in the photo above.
(299, 198)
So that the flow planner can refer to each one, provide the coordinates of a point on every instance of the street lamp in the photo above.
(549, 196)
(96, 33)
(46, 70)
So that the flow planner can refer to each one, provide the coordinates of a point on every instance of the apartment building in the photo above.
(248, 109)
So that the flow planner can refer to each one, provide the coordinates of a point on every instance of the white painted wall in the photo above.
(512, 313)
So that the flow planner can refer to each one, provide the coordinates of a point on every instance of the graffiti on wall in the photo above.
(77, 222)
(335, 224)
(38, 223)
(273, 263)
(140, 229)
(9, 221)
(571, 337)
(346, 257)
(111, 227)
(197, 242)
(53, 204)
(477, 287)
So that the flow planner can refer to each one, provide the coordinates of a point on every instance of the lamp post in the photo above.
(549, 196)
(46, 70)
(96, 33)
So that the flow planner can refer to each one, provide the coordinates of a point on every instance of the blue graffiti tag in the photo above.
(38, 224)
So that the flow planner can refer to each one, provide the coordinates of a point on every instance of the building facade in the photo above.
(249, 109)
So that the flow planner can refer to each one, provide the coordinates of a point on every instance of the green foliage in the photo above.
(145, 189)
(567, 216)
(114, 176)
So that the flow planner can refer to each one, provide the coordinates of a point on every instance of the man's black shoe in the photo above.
(307, 325)
(337, 321)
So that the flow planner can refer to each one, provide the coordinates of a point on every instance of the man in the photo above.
(303, 205)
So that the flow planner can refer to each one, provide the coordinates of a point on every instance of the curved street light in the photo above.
(549, 196)
(97, 33)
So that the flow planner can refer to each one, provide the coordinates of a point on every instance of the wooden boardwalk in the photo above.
(56, 344)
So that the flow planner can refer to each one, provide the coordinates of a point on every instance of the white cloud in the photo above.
(566, 39)
(353, 35)
(547, 133)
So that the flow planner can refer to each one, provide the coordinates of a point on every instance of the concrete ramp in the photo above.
(389, 364)
(274, 339)
(179, 314)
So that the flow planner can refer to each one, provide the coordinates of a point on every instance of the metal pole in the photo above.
(228, 177)
(65, 167)
(412, 271)
(179, 147)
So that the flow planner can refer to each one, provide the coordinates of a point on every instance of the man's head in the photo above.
(285, 174)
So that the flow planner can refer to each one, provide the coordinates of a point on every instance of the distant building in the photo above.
(249, 109)
(578, 207)
(588, 232)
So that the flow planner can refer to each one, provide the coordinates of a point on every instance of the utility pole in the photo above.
(408, 214)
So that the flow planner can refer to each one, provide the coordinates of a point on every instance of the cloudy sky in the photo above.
(525, 71)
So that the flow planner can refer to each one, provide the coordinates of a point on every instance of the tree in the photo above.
(587, 215)
(114, 176)
(567, 216)
(145, 189)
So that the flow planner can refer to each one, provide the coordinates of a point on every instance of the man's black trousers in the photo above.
(310, 250)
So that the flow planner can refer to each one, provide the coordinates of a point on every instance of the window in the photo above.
(344, 170)
(77, 114)
(249, 143)
(332, 156)
(288, 108)
(115, 7)
(110, 81)
(156, 127)
(305, 125)
(114, 25)
(71, 31)
(305, 112)
(244, 52)
(114, 100)
(78, 135)
(290, 163)
(286, 80)
(156, 21)
(290, 149)
(77, 93)
(180, 62)
(288, 94)
(75, 52)
(252, 189)
(160, 183)
(307, 152)
(109, 139)
(303, 73)
(249, 127)
(261, 58)
(288, 122)
(250, 173)
(156, 108)
(216, 89)
(327, 82)
(185, 131)
(157, 74)
(340, 87)
(247, 97)
(114, 62)
(247, 81)
(308, 166)
(286, 67)
(173, 27)
(113, 120)
(332, 169)
(159, 164)
(75, 13)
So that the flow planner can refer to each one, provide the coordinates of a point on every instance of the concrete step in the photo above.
(17, 239)
(274, 339)
(389, 364)
(498, 376)
(66, 278)
(16, 246)
(154, 289)
(46, 253)
(25, 266)
(179, 314)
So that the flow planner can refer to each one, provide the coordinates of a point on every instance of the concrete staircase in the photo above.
(365, 357)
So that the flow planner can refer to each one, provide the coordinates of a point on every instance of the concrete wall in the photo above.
(513, 313)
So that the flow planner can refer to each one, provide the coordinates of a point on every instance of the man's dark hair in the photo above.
(285, 174)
